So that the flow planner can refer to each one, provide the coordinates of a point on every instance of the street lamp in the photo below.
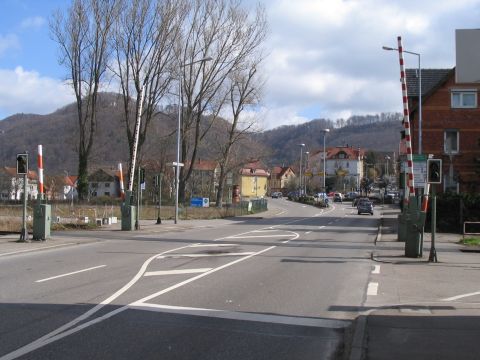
(324, 132)
(419, 93)
(387, 158)
(305, 172)
(177, 164)
(301, 160)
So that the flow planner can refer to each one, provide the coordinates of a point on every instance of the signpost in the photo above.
(22, 169)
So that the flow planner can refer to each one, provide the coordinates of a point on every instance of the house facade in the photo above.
(104, 183)
(253, 180)
(344, 168)
(204, 179)
(450, 126)
(279, 178)
(11, 184)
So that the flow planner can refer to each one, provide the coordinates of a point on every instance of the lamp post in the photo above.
(419, 93)
(305, 172)
(301, 160)
(179, 124)
(387, 158)
(324, 132)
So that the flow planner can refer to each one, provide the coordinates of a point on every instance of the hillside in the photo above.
(57, 133)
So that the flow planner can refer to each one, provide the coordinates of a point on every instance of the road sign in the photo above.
(419, 170)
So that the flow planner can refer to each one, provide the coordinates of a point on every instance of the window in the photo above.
(94, 185)
(464, 99)
(107, 193)
(107, 184)
(451, 141)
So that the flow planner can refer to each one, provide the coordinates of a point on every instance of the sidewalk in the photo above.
(9, 244)
(422, 310)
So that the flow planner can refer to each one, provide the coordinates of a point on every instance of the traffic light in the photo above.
(22, 164)
(155, 180)
(434, 171)
(142, 176)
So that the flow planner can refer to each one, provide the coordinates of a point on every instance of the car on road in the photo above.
(337, 197)
(365, 207)
(277, 195)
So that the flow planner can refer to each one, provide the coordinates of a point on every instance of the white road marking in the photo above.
(177, 272)
(281, 213)
(376, 269)
(304, 206)
(453, 298)
(244, 316)
(71, 273)
(212, 245)
(176, 256)
(257, 236)
(372, 289)
(321, 227)
(308, 232)
(43, 247)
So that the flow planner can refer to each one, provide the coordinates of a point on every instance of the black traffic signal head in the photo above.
(142, 176)
(22, 164)
(434, 171)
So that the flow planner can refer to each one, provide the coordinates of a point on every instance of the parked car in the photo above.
(365, 207)
(350, 195)
(277, 195)
(337, 197)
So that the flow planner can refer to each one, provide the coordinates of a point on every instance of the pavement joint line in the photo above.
(35, 249)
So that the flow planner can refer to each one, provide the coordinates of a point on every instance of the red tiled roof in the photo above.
(32, 175)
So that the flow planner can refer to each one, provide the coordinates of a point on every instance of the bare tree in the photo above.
(82, 33)
(244, 92)
(228, 33)
(144, 40)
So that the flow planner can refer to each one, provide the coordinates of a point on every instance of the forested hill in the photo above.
(372, 132)
(57, 133)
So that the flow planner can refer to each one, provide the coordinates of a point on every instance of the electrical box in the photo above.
(129, 213)
(42, 220)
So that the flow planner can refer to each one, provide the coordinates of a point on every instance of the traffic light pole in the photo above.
(24, 232)
(159, 220)
(433, 251)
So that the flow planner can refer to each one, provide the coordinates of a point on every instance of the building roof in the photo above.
(103, 175)
(205, 165)
(255, 168)
(11, 171)
(431, 79)
(279, 171)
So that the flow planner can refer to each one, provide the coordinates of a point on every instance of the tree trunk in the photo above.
(221, 182)
(82, 182)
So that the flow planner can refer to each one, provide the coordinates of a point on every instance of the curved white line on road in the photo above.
(44, 340)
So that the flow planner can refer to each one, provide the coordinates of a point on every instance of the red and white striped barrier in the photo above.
(120, 172)
(40, 171)
(410, 190)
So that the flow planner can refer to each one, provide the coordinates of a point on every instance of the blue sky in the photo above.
(325, 56)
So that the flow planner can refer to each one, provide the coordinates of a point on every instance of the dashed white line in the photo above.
(177, 272)
(71, 273)
(321, 227)
(372, 289)
(308, 232)
(376, 269)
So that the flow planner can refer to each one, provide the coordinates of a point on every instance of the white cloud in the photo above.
(33, 22)
(8, 42)
(24, 91)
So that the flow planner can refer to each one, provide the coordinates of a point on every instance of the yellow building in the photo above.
(253, 181)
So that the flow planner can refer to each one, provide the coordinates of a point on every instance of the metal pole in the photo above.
(139, 191)
(159, 220)
(177, 166)
(419, 106)
(324, 161)
(433, 251)
(24, 232)
(301, 156)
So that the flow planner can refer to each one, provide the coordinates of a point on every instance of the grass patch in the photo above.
(471, 241)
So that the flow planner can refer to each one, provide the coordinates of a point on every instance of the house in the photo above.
(450, 116)
(344, 167)
(104, 183)
(11, 184)
(280, 177)
(252, 180)
(204, 179)
(70, 187)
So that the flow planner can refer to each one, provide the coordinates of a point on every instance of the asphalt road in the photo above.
(282, 287)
